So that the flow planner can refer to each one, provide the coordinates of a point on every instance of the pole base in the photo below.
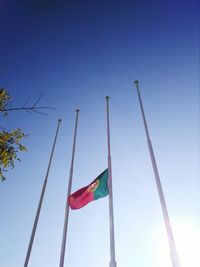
(113, 264)
(175, 259)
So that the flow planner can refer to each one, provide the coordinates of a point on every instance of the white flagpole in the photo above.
(66, 219)
(113, 263)
(173, 252)
(40, 201)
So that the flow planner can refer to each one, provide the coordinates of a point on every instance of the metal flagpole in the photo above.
(66, 219)
(173, 252)
(40, 201)
(113, 263)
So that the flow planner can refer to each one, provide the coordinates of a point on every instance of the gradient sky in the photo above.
(77, 52)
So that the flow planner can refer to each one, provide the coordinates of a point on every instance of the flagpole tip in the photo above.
(59, 120)
(77, 110)
(136, 81)
(107, 97)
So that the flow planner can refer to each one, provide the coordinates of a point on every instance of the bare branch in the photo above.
(26, 102)
(11, 104)
(26, 108)
(36, 111)
(42, 108)
(37, 101)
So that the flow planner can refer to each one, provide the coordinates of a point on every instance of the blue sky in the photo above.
(77, 52)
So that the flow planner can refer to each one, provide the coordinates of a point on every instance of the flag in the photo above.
(95, 190)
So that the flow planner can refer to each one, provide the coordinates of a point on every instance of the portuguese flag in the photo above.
(95, 190)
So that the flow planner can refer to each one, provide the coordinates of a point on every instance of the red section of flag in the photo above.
(81, 198)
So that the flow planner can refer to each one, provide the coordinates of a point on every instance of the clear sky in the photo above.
(77, 52)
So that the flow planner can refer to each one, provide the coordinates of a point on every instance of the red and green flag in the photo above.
(95, 190)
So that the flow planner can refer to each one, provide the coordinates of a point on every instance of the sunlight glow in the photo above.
(187, 238)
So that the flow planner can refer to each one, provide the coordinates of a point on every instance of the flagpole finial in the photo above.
(136, 82)
(77, 110)
(59, 120)
(107, 97)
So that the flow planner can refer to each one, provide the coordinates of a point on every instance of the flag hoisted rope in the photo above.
(173, 252)
(65, 227)
(113, 263)
(40, 201)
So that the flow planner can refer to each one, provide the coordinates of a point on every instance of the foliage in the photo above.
(10, 142)
(4, 99)
(9, 147)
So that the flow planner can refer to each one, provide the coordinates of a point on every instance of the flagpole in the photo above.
(113, 263)
(40, 201)
(66, 219)
(173, 252)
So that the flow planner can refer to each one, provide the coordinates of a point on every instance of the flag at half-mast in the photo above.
(95, 190)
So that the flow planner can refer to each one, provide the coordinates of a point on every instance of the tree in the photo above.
(10, 141)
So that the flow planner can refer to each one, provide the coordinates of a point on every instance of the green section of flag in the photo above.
(102, 189)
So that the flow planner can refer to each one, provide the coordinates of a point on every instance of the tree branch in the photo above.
(28, 109)
(37, 101)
